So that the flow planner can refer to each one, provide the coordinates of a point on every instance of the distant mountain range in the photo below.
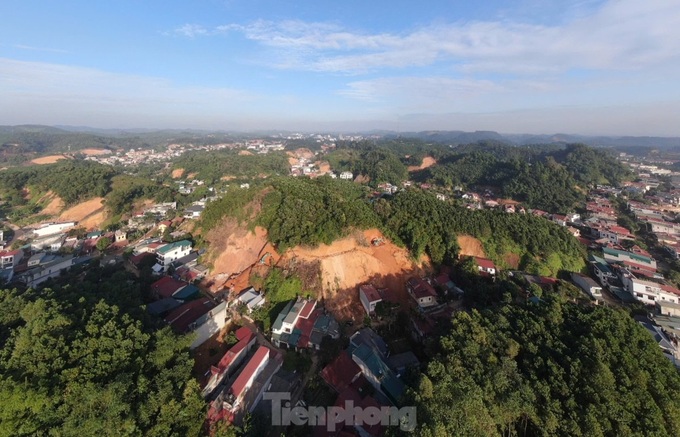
(19, 143)
(461, 137)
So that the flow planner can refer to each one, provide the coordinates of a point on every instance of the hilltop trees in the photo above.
(544, 369)
(85, 361)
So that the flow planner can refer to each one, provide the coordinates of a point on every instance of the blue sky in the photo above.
(525, 66)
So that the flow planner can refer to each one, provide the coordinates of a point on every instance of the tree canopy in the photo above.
(548, 369)
(85, 360)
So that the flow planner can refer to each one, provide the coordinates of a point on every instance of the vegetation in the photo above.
(212, 166)
(86, 360)
(428, 225)
(548, 369)
(314, 211)
(542, 177)
(71, 180)
(378, 164)
(126, 189)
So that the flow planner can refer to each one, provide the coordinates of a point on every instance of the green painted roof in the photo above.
(170, 246)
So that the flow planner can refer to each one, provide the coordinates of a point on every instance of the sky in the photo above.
(594, 67)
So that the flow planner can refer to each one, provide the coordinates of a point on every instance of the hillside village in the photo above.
(371, 359)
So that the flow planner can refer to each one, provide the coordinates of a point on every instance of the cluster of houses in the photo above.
(368, 375)
(50, 251)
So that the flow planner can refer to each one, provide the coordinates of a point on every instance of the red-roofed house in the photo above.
(10, 258)
(183, 317)
(422, 292)
(369, 297)
(247, 376)
(341, 372)
(166, 287)
(485, 265)
(231, 360)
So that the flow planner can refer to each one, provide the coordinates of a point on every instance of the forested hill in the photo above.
(313, 211)
(86, 360)
(548, 369)
(547, 178)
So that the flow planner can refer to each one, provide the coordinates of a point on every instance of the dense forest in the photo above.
(544, 177)
(87, 360)
(426, 224)
(212, 166)
(548, 369)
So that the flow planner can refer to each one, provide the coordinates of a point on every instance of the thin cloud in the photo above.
(620, 34)
(62, 93)
(38, 49)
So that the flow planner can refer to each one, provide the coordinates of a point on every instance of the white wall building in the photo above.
(53, 228)
(209, 324)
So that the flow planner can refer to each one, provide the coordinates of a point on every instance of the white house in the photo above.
(369, 298)
(209, 324)
(171, 252)
(588, 285)
(649, 292)
(10, 258)
(251, 299)
(53, 228)
(52, 269)
(347, 175)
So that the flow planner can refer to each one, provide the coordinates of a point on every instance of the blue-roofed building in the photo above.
(187, 292)
(163, 306)
(378, 373)
(368, 337)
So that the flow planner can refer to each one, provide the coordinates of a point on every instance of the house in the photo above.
(588, 285)
(573, 231)
(301, 325)
(10, 258)
(119, 235)
(193, 211)
(50, 243)
(421, 292)
(346, 175)
(559, 219)
(166, 287)
(52, 269)
(251, 299)
(341, 372)
(649, 292)
(246, 378)
(230, 360)
(378, 373)
(163, 226)
(668, 309)
(635, 255)
(485, 266)
(247, 389)
(94, 235)
(53, 228)
(163, 306)
(36, 259)
(171, 252)
(369, 298)
(201, 317)
(370, 338)
(401, 363)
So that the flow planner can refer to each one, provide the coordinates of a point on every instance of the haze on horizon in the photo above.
(523, 66)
